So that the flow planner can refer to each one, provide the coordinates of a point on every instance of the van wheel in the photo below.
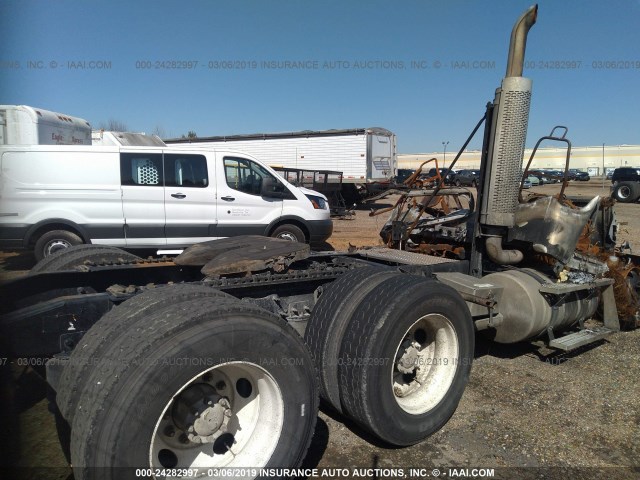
(74, 256)
(405, 359)
(54, 241)
(289, 232)
(202, 384)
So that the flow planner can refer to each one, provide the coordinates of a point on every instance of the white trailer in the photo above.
(365, 155)
(23, 125)
(102, 138)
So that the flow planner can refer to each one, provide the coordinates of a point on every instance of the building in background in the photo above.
(593, 159)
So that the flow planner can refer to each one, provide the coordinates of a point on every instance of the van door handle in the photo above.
(228, 199)
(178, 195)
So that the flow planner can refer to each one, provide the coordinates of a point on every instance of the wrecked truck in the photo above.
(218, 358)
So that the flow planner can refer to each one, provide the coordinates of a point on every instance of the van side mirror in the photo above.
(268, 188)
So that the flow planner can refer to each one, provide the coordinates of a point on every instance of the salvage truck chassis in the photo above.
(218, 358)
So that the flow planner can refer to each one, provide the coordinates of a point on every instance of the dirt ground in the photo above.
(526, 413)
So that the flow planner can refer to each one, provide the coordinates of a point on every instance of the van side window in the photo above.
(144, 169)
(181, 170)
(245, 176)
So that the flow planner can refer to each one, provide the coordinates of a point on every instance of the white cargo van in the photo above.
(52, 197)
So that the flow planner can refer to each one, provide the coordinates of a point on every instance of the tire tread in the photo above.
(329, 319)
(362, 340)
(136, 342)
(110, 328)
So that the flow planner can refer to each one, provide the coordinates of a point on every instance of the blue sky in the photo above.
(584, 59)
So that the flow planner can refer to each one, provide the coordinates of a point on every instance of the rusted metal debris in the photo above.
(434, 222)
(415, 180)
(622, 268)
(439, 250)
(423, 217)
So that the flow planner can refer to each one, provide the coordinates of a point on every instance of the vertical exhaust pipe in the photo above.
(518, 43)
(508, 133)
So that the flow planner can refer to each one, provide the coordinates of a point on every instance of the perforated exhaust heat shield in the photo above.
(511, 118)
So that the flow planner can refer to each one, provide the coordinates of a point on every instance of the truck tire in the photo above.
(405, 359)
(328, 322)
(244, 371)
(77, 255)
(63, 429)
(53, 241)
(626, 192)
(108, 330)
(289, 232)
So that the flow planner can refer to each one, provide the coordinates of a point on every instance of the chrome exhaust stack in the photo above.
(509, 132)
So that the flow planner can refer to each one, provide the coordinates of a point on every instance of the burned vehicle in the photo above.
(218, 358)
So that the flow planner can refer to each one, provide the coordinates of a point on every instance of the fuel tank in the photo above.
(527, 313)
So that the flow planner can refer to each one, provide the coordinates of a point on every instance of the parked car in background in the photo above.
(526, 183)
(551, 176)
(629, 174)
(582, 176)
(574, 173)
(533, 180)
(571, 174)
(559, 175)
(540, 175)
(448, 179)
(444, 173)
(466, 177)
(403, 174)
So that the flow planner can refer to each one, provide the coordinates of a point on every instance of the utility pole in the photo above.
(444, 156)
(604, 173)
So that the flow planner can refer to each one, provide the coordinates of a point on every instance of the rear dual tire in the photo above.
(330, 319)
(134, 410)
(110, 329)
(405, 348)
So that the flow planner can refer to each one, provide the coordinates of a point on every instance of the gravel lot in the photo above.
(526, 413)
